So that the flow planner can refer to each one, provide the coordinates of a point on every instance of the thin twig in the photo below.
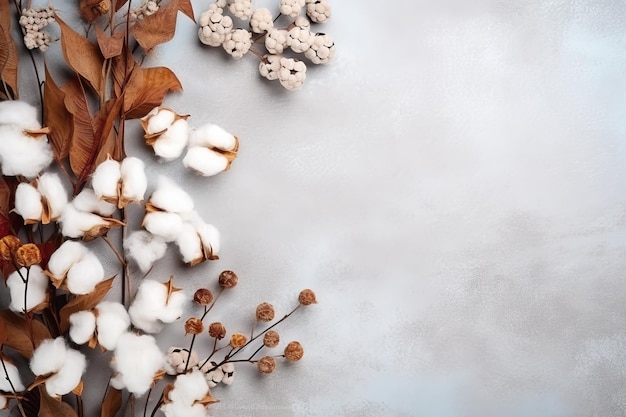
(115, 251)
(19, 402)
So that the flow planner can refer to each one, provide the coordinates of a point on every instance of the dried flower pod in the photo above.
(307, 297)
(271, 339)
(266, 365)
(8, 246)
(265, 312)
(228, 279)
(28, 255)
(194, 325)
(203, 297)
(217, 330)
(238, 340)
(166, 131)
(294, 351)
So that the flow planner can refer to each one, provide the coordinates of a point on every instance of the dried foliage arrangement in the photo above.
(67, 181)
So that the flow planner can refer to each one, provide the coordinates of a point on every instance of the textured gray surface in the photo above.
(452, 187)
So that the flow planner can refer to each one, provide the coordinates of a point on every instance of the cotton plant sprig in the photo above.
(282, 45)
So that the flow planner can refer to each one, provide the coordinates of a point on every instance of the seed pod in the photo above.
(203, 297)
(307, 297)
(271, 339)
(28, 255)
(8, 246)
(265, 312)
(194, 325)
(238, 340)
(294, 351)
(217, 330)
(266, 365)
(228, 279)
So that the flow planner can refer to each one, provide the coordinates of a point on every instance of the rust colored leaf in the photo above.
(18, 335)
(8, 50)
(122, 67)
(112, 403)
(83, 56)
(103, 125)
(92, 9)
(159, 27)
(186, 7)
(57, 115)
(84, 302)
(52, 407)
(146, 90)
(110, 46)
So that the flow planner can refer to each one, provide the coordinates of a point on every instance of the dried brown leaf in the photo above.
(111, 403)
(110, 142)
(82, 56)
(18, 335)
(53, 407)
(84, 302)
(146, 90)
(92, 9)
(57, 115)
(110, 46)
(122, 66)
(8, 50)
(159, 27)
(186, 7)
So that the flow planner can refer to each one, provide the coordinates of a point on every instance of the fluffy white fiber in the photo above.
(144, 248)
(112, 321)
(82, 326)
(172, 142)
(66, 365)
(37, 288)
(210, 237)
(106, 178)
(163, 224)
(170, 197)
(188, 389)
(87, 201)
(14, 376)
(28, 202)
(134, 180)
(210, 135)
(75, 223)
(85, 274)
(64, 257)
(51, 188)
(204, 161)
(189, 244)
(18, 113)
(137, 359)
(151, 306)
(159, 119)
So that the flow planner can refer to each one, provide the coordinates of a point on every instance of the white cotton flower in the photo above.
(204, 161)
(189, 244)
(210, 135)
(13, 375)
(160, 120)
(214, 26)
(269, 66)
(87, 201)
(134, 180)
(52, 190)
(170, 197)
(186, 396)
(75, 223)
(302, 22)
(299, 39)
(137, 360)
(66, 366)
(23, 154)
(36, 293)
(112, 321)
(261, 20)
(82, 326)
(237, 43)
(105, 180)
(276, 41)
(28, 203)
(240, 8)
(292, 73)
(198, 241)
(176, 360)
(318, 10)
(85, 274)
(152, 306)
(166, 131)
(229, 373)
(64, 257)
(291, 8)
(144, 248)
(210, 237)
(322, 49)
(165, 225)
(213, 374)
(18, 113)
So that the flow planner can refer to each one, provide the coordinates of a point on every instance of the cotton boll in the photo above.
(134, 180)
(87, 201)
(144, 248)
(112, 322)
(189, 388)
(205, 161)
(163, 224)
(64, 257)
(106, 178)
(85, 274)
(68, 377)
(82, 326)
(181, 410)
(22, 154)
(75, 223)
(151, 306)
(159, 120)
(137, 359)
(49, 356)
(28, 202)
(210, 135)
(19, 113)
(52, 189)
(170, 197)
(14, 376)
(210, 237)
(188, 243)
(172, 142)
(37, 288)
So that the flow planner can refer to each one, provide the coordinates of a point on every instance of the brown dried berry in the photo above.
(8, 246)
(28, 255)
(271, 339)
(307, 297)
(203, 297)
(228, 279)
(266, 365)
(194, 325)
(265, 312)
(237, 340)
(217, 330)
(294, 351)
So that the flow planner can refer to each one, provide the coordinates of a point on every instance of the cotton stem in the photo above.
(19, 402)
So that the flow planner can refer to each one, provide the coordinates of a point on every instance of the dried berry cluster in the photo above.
(217, 28)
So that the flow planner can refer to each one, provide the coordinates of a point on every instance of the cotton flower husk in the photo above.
(137, 360)
(154, 305)
(144, 248)
(37, 293)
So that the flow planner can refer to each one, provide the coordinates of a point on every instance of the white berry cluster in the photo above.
(32, 22)
(146, 9)
(281, 44)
